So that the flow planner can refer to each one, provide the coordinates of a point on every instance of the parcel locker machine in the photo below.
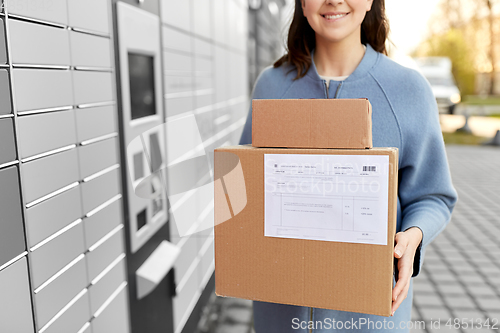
(149, 254)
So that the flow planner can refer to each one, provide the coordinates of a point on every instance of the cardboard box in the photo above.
(348, 276)
(312, 123)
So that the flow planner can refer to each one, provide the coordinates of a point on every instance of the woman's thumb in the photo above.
(401, 244)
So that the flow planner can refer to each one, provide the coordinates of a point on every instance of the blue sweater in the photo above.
(405, 116)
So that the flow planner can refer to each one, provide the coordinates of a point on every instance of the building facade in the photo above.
(74, 240)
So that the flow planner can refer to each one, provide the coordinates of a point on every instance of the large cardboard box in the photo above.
(329, 249)
(312, 123)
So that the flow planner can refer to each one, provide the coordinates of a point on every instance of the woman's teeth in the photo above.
(332, 17)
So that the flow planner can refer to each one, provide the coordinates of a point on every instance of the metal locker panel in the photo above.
(102, 222)
(93, 87)
(38, 44)
(176, 13)
(98, 156)
(114, 317)
(40, 89)
(80, 11)
(95, 122)
(205, 124)
(177, 62)
(88, 329)
(100, 258)
(51, 11)
(46, 175)
(5, 105)
(220, 20)
(3, 48)
(188, 254)
(90, 51)
(176, 84)
(97, 191)
(204, 85)
(54, 255)
(47, 218)
(51, 299)
(206, 261)
(44, 132)
(204, 100)
(15, 300)
(221, 57)
(176, 40)
(177, 106)
(203, 66)
(11, 221)
(105, 287)
(201, 18)
(73, 319)
(185, 297)
(7, 141)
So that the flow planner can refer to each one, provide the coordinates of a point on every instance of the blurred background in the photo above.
(88, 240)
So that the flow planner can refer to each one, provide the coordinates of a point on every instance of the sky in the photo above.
(408, 22)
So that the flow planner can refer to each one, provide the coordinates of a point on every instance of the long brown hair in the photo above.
(302, 40)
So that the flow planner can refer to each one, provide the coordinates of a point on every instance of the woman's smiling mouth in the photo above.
(334, 16)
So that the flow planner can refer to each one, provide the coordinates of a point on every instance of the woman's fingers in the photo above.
(401, 244)
(401, 298)
(405, 267)
(404, 250)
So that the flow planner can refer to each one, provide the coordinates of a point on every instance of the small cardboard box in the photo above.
(351, 276)
(312, 123)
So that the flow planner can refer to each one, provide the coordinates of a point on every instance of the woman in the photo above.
(336, 49)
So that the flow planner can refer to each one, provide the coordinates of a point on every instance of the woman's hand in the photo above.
(406, 244)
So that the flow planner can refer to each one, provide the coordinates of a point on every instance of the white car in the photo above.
(437, 70)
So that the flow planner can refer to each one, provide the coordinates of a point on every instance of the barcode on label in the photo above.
(369, 168)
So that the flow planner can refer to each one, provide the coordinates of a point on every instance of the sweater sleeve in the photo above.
(426, 193)
(266, 87)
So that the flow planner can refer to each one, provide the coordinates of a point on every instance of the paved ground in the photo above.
(460, 280)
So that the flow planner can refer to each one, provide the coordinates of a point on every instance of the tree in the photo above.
(490, 4)
(452, 44)
(465, 26)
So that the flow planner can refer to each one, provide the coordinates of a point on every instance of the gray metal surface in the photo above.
(7, 142)
(38, 44)
(40, 89)
(56, 295)
(98, 156)
(99, 190)
(54, 255)
(54, 11)
(5, 100)
(11, 222)
(92, 87)
(103, 255)
(52, 215)
(95, 122)
(114, 317)
(90, 51)
(79, 12)
(40, 133)
(3, 48)
(15, 302)
(102, 222)
(46, 175)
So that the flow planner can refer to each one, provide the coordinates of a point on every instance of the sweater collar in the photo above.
(368, 61)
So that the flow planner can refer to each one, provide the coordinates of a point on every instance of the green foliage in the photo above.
(463, 139)
(481, 100)
(452, 44)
